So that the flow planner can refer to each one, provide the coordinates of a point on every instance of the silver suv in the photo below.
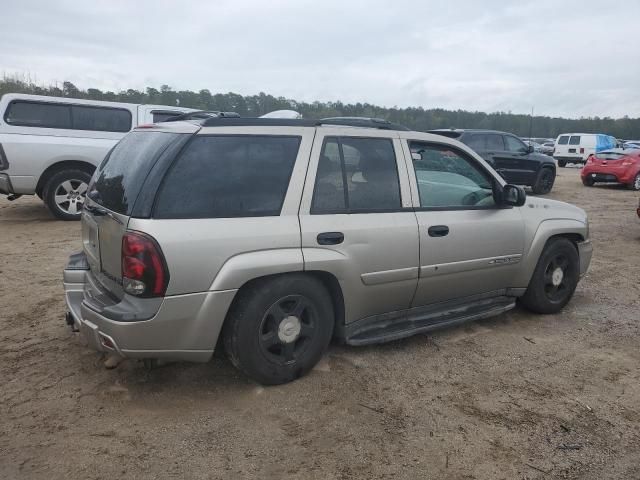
(275, 236)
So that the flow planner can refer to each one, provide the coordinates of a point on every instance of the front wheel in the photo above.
(635, 184)
(544, 181)
(588, 181)
(555, 278)
(65, 192)
(279, 328)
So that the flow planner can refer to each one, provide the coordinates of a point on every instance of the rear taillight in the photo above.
(144, 271)
(581, 150)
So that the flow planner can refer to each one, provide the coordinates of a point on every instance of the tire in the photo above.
(635, 184)
(278, 328)
(64, 193)
(549, 291)
(544, 181)
(588, 181)
(562, 163)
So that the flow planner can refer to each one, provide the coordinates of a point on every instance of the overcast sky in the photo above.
(568, 58)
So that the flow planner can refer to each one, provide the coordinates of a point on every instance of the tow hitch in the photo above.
(68, 318)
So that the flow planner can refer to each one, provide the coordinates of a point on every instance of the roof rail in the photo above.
(295, 122)
(201, 115)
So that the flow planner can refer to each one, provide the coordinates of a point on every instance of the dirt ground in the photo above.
(519, 396)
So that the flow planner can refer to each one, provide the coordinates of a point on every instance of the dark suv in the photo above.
(516, 162)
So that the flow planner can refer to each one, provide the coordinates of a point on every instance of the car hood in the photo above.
(553, 209)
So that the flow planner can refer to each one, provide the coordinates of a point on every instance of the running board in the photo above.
(396, 325)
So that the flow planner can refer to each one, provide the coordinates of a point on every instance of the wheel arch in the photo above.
(573, 230)
(60, 166)
(328, 280)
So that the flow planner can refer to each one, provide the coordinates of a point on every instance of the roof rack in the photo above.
(201, 115)
(226, 121)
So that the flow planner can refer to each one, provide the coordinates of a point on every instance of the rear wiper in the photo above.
(101, 212)
(97, 211)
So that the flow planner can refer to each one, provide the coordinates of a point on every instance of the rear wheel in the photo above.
(635, 184)
(544, 181)
(279, 328)
(588, 181)
(65, 191)
(562, 162)
(555, 278)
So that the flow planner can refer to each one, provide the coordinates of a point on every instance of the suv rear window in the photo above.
(563, 140)
(226, 176)
(574, 140)
(117, 182)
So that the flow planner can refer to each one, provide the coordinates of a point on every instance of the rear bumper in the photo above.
(5, 184)
(585, 251)
(185, 327)
(599, 175)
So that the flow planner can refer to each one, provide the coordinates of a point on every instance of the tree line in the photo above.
(416, 118)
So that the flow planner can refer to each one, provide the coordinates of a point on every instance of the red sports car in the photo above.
(615, 165)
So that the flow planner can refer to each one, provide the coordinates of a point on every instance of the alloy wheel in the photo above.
(70, 196)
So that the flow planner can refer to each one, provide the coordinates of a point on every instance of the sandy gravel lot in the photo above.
(515, 397)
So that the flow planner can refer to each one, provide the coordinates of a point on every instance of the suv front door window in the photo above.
(464, 235)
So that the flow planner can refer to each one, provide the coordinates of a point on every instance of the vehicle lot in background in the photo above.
(52, 145)
(617, 165)
(515, 161)
(576, 147)
(548, 148)
(503, 398)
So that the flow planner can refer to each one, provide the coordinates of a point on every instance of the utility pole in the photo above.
(531, 124)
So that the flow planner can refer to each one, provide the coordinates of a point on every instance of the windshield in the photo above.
(118, 180)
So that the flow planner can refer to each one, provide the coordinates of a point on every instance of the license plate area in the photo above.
(91, 241)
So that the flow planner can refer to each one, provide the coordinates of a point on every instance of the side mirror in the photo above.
(513, 196)
(530, 149)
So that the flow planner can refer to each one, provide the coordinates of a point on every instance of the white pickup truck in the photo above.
(50, 146)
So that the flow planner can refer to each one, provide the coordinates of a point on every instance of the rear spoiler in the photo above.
(200, 115)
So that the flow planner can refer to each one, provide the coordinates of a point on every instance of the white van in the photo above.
(50, 146)
(576, 147)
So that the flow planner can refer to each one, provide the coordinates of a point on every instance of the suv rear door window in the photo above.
(118, 181)
(476, 142)
(226, 176)
(574, 140)
(366, 167)
(495, 143)
(38, 114)
(563, 140)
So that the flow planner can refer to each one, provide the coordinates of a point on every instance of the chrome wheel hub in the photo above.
(69, 196)
(289, 329)
(557, 276)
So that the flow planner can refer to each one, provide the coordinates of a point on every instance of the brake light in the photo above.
(144, 271)
(581, 150)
